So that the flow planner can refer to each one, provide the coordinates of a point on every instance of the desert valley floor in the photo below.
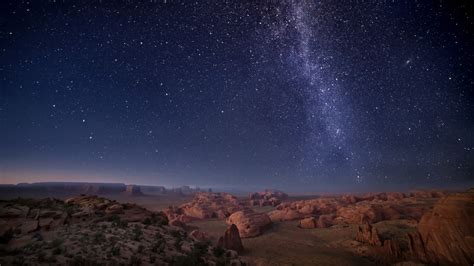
(271, 228)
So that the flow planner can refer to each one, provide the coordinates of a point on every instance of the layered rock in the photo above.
(308, 223)
(443, 236)
(447, 232)
(369, 235)
(205, 205)
(231, 239)
(249, 223)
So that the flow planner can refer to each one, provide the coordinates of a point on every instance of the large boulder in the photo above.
(249, 223)
(231, 239)
(308, 223)
(285, 215)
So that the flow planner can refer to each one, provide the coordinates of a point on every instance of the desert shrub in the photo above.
(137, 233)
(115, 251)
(41, 257)
(57, 251)
(218, 251)
(7, 236)
(134, 260)
(117, 222)
(98, 238)
(57, 242)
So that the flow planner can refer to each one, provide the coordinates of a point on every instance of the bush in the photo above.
(137, 233)
(6, 237)
(218, 251)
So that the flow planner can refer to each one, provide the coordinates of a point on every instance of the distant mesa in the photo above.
(64, 189)
(133, 190)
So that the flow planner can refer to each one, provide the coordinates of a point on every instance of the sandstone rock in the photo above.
(249, 223)
(9, 212)
(308, 223)
(114, 209)
(267, 198)
(285, 215)
(325, 221)
(368, 234)
(29, 226)
(447, 232)
(231, 239)
(199, 236)
(205, 205)
(393, 196)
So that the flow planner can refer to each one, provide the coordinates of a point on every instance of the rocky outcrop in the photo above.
(205, 205)
(38, 234)
(267, 198)
(231, 239)
(285, 215)
(249, 223)
(369, 235)
(308, 223)
(199, 235)
(447, 232)
(444, 235)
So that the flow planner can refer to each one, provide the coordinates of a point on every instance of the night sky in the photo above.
(297, 95)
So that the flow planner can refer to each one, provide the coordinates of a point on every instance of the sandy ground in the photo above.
(286, 244)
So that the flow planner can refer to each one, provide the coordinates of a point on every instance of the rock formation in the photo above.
(249, 223)
(308, 223)
(447, 232)
(369, 235)
(89, 230)
(231, 239)
(267, 198)
(205, 205)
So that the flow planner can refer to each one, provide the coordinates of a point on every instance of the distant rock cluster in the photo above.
(350, 209)
(205, 205)
(267, 198)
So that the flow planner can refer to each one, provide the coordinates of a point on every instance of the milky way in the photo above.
(303, 95)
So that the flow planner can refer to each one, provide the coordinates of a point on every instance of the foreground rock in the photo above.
(89, 230)
(249, 223)
(444, 235)
(231, 239)
(448, 230)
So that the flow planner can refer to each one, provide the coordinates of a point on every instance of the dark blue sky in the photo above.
(297, 95)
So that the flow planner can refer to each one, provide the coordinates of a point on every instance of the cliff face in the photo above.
(444, 235)
(447, 231)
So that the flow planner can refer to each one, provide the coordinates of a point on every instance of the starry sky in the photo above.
(297, 95)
